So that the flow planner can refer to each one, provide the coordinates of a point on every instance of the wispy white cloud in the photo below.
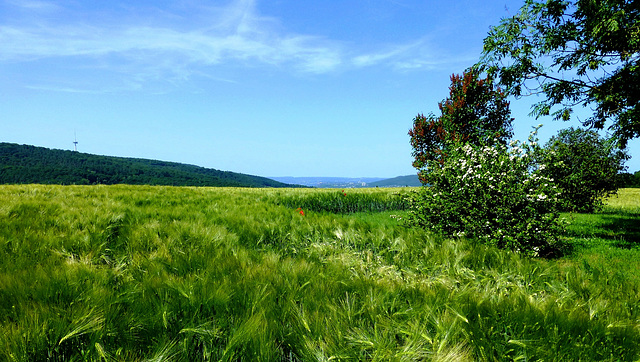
(34, 5)
(371, 59)
(49, 88)
(167, 48)
(235, 33)
(418, 55)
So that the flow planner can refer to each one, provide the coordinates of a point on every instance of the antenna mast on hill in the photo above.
(75, 141)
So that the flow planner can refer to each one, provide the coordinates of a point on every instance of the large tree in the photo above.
(577, 53)
(475, 112)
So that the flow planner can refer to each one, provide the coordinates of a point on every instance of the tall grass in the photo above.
(343, 201)
(138, 273)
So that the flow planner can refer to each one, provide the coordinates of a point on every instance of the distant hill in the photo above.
(400, 181)
(328, 182)
(351, 182)
(23, 164)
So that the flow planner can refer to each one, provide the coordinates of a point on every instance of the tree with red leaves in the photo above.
(475, 112)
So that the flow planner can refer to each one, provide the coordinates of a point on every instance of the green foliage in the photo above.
(474, 113)
(584, 167)
(494, 194)
(577, 53)
(133, 273)
(21, 164)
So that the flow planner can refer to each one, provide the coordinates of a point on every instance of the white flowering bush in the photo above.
(496, 194)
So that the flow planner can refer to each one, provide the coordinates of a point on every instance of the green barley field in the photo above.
(140, 273)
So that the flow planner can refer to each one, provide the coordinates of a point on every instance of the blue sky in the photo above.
(269, 88)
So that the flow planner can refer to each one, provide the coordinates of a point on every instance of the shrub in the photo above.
(495, 194)
(585, 167)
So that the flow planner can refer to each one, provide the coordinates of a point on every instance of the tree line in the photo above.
(627, 179)
(24, 164)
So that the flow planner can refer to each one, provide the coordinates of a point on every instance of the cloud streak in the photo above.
(237, 34)
(418, 55)
(35, 5)
(233, 35)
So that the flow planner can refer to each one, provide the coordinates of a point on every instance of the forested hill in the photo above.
(22, 164)
(410, 180)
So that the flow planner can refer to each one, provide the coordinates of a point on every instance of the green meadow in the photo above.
(141, 273)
